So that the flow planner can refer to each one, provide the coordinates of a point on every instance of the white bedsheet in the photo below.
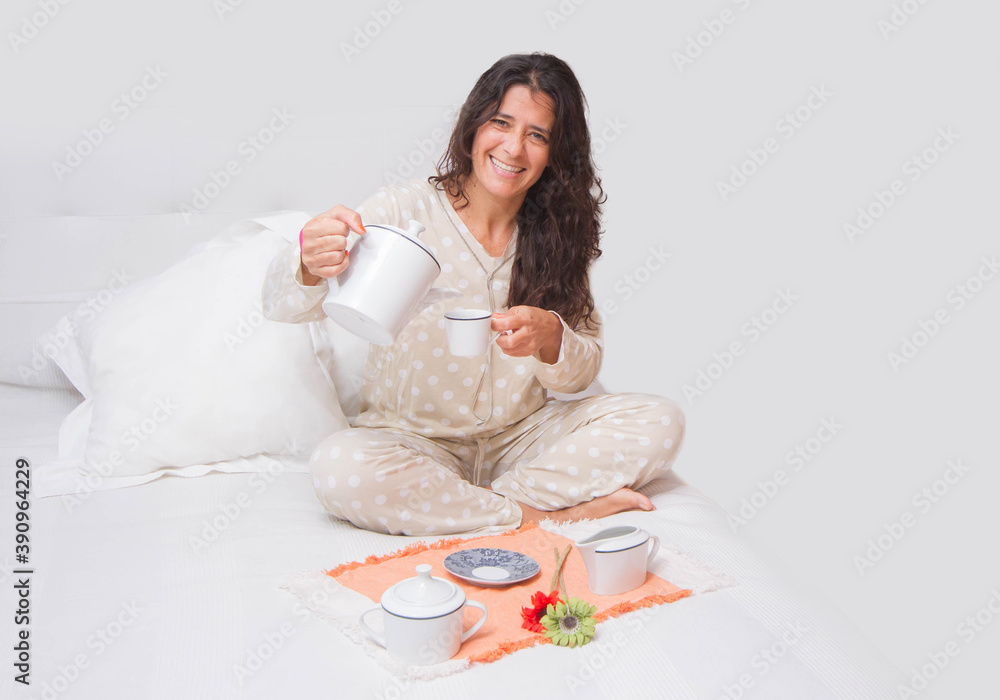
(127, 603)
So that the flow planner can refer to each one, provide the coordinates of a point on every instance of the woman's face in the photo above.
(511, 150)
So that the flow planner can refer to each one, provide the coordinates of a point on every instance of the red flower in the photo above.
(540, 603)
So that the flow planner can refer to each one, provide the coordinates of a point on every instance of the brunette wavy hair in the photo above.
(559, 223)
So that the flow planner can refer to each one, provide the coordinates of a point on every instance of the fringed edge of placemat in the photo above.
(649, 601)
(418, 547)
(505, 648)
(646, 602)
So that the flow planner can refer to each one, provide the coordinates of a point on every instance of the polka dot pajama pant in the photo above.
(565, 453)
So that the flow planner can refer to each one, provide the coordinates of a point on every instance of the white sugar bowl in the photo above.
(423, 619)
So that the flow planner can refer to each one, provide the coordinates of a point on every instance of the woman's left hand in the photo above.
(531, 330)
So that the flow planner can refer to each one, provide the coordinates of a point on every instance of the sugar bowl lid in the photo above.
(423, 596)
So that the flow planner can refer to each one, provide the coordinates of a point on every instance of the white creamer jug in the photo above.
(617, 558)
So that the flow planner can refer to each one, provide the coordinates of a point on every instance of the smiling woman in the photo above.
(529, 112)
(511, 150)
(446, 443)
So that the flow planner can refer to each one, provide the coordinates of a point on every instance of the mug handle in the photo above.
(653, 551)
(380, 640)
(496, 334)
(479, 623)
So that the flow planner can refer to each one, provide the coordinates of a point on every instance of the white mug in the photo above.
(469, 332)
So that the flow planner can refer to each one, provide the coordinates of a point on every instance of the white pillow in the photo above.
(182, 369)
(27, 349)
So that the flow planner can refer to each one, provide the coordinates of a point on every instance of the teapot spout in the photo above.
(435, 295)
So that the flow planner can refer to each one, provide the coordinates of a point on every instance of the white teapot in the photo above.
(423, 619)
(387, 282)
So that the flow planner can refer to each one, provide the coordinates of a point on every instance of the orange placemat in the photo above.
(502, 633)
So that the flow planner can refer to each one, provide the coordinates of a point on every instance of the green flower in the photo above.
(569, 624)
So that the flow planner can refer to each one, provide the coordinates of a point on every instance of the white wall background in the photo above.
(668, 135)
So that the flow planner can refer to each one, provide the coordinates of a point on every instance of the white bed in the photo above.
(171, 587)
(190, 617)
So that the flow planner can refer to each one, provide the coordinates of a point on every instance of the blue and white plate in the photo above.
(491, 567)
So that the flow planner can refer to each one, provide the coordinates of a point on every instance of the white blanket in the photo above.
(171, 590)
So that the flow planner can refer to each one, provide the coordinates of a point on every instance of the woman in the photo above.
(450, 444)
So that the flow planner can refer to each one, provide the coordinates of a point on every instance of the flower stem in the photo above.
(558, 581)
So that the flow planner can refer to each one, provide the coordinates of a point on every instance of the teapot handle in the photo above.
(653, 551)
(479, 623)
(379, 639)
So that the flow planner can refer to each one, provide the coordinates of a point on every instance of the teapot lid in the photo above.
(412, 234)
(423, 596)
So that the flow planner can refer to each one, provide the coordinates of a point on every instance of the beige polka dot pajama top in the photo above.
(448, 444)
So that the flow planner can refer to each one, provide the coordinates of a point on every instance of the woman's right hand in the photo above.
(324, 244)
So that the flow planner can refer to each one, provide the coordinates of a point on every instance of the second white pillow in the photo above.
(185, 370)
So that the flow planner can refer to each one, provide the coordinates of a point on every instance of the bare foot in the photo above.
(621, 500)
